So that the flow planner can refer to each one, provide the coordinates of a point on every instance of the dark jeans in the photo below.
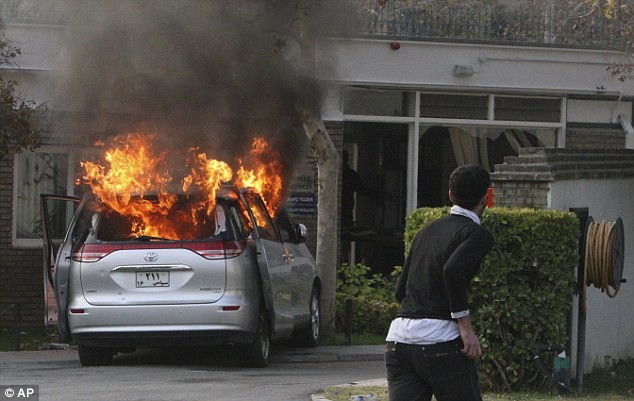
(416, 372)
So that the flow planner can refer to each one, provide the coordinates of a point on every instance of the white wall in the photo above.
(610, 321)
(596, 111)
(417, 65)
(519, 69)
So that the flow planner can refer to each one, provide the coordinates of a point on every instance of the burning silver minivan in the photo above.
(236, 276)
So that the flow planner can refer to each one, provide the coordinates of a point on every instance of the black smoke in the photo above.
(206, 73)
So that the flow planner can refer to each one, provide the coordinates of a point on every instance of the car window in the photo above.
(286, 226)
(241, 219)
(262, 219)
(184, 222)
(84, 224)
(112, 226)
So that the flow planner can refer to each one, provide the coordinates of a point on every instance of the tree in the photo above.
(328, 174)
(620, 13)
(306, 17)
(18, 130)
(301, 23)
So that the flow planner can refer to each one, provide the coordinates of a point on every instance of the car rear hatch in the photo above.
(118, 269)
(163, 273)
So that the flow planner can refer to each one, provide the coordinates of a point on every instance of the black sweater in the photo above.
(443, 259)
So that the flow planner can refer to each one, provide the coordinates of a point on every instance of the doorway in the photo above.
(373, 194)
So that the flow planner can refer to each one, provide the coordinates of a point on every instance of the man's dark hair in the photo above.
(468, 184)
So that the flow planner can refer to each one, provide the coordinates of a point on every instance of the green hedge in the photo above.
(519, 298)
(523, 291)
(373, 303)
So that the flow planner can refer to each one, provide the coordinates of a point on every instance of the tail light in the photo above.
(88, 253)
(216, 249)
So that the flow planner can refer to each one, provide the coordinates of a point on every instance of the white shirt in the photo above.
(429, 331)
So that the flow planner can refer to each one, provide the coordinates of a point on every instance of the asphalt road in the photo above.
(197, 374)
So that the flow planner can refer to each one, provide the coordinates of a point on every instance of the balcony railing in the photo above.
(531, 22)
(520, 22)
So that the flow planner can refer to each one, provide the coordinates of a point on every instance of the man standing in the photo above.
(431, 345)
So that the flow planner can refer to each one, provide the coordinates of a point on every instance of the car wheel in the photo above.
(309, 336)
(256, 354)
(95, 356)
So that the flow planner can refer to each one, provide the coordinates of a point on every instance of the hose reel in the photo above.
(604, 256)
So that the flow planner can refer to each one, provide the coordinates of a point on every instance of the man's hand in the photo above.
(471, 343)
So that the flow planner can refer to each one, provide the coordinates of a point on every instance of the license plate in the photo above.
(152, 279)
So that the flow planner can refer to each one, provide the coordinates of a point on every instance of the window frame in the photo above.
(70, 191)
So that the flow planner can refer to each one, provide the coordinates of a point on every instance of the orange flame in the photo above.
(266, 175)
(208, 175)
(134, 182)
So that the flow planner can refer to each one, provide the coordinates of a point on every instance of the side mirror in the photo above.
(302, 232)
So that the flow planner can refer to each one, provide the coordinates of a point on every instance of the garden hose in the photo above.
(604, 256)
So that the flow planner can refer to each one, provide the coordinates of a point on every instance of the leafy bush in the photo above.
(371, 297)
(524, 288)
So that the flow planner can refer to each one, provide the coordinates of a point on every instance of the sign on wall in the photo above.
(302, 199)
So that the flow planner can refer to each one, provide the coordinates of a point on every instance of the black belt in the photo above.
(452, 347)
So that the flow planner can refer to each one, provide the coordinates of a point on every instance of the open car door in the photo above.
(57, 252)
(274, 267)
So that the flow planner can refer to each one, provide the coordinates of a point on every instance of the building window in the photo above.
(373, 102)
(471, 107)
(36, 173)
(509, 108)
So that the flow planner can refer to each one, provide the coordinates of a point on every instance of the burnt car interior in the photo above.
(227, 221)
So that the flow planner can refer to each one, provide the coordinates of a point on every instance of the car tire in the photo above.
(95, 356)
(257, 353)
(309, 337)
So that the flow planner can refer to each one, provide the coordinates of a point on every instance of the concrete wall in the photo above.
(420, 64)
(610, 321)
